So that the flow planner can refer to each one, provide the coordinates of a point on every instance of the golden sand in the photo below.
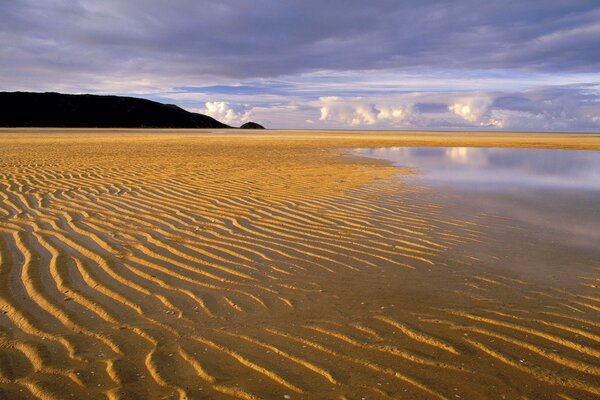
(244, 265)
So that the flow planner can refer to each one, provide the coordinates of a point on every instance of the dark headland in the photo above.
(56, 110)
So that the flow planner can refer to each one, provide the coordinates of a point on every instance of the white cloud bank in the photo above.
(566, 108)
(230, 114)
(472, 108)
(359, 112)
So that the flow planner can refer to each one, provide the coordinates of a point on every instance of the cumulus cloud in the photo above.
(359, 112)
(392, 115)
(570, 108)
(471, 108)
(231, 114)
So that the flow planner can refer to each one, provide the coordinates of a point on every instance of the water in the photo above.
(551, 199)
(494, 169)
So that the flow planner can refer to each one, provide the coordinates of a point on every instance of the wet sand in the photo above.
(243, 265)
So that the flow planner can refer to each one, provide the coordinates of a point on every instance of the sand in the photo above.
(244, 265)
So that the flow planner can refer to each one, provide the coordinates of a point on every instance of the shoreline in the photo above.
(579, 141)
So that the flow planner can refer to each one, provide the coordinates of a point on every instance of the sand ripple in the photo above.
(189, 267)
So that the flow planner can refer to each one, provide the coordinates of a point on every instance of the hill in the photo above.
(252, 125)
(25, 109)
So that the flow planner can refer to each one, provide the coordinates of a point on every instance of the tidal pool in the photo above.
(542, 206)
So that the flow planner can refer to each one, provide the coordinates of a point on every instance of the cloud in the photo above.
(392, 115)
(383, 65)
(569, 108)
(359, 112)
(231, 114)
(471, 108)
(190, 43)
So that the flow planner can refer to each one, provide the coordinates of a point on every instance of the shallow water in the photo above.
(495, 169)
(550, 199)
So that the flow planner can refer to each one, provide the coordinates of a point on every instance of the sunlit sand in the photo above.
(197, 264)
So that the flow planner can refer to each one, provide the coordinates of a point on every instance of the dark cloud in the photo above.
(431, 107)
(238, 38)
(235, 89)
(515, 102)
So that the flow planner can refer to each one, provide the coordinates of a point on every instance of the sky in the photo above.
(330, 64)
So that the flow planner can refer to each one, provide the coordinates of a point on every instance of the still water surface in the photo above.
(495, 169)
(550, 197)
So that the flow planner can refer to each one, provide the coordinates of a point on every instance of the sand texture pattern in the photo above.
(199, 265)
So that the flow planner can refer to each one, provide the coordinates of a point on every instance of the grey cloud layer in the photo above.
(420, 64)
(240, 38)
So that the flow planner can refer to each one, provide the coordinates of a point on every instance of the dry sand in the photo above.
(189, 264)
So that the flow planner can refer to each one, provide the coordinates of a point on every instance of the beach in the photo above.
(220, 264)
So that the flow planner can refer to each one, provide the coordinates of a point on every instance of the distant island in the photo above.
(252, 125)
(56, 110)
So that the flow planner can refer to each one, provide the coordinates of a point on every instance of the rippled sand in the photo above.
(188, 264)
